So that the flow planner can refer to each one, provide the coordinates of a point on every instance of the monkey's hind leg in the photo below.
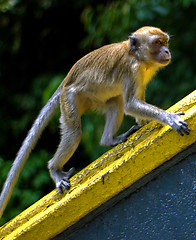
(69, 142)
(70, 139)
(114, 112)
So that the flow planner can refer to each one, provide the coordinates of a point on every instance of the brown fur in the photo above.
(111, 79)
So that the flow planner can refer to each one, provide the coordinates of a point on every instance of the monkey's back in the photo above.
(100, 64)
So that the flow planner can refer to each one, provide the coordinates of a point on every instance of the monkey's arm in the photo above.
(140, 109)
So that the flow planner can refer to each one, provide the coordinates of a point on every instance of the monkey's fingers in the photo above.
(185, 124)
(60, 188)
(63, 184)
(179, 125)
(180, 113)
(183, 129)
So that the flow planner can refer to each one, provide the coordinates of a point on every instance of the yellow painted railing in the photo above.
(113, 172)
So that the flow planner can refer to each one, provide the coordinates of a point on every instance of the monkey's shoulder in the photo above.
(108, 64)
(105, 54)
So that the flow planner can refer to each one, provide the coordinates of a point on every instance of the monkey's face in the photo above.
(159, 51)
(150, 45)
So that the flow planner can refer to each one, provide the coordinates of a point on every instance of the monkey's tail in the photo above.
(29, 143)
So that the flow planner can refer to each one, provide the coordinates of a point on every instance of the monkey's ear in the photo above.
(134, 42)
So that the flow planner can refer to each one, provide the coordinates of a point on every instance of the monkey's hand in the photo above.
(176, 122)
(63, 180)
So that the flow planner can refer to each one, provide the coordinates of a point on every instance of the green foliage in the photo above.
(7, 4)
(42, 39)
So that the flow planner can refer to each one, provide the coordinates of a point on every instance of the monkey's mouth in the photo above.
(164, 61)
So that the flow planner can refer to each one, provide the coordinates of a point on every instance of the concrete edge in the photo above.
(127, 192)
(106, 177)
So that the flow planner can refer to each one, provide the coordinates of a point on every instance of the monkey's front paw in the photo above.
(178, 124)
(64, 183)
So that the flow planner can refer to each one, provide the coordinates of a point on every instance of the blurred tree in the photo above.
(7, 4)
(41, 39)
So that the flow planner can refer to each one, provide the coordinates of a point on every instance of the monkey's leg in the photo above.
(114, 112)
(71, 135)
(68, 144)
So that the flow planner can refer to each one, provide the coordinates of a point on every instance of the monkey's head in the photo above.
(150, 45)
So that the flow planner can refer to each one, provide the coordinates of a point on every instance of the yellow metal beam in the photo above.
(113, 172)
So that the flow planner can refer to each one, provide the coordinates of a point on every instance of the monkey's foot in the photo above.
(121, 138)
(63, 181)
(132, 130)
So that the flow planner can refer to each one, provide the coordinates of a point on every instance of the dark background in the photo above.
(39, 42)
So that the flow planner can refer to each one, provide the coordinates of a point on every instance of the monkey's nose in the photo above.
(167, 52)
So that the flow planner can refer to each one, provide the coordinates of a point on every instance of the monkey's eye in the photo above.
(161, 42)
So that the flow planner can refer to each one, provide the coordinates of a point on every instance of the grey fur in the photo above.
(27, 146)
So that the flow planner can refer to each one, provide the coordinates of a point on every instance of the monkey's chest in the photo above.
(144, 77)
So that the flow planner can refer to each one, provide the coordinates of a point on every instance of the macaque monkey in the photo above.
(111, 79)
